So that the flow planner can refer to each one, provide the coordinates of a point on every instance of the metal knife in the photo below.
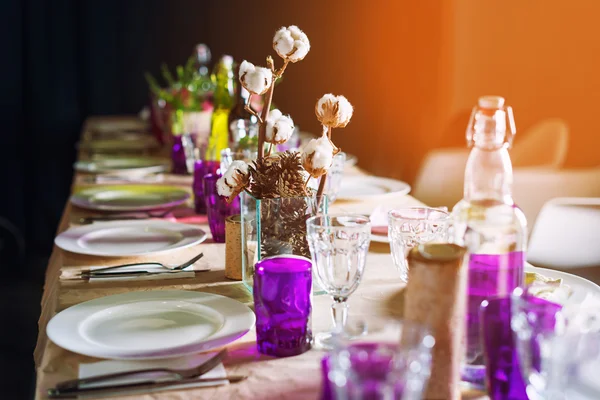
(125, 389)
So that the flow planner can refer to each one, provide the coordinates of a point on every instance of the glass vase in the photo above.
(274, 227)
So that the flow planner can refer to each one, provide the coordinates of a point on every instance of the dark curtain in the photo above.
(62, 61)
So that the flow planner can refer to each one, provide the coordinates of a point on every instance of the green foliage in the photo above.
(189, 91)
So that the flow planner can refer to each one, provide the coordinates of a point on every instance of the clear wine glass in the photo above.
(412, 226)
(338, 245)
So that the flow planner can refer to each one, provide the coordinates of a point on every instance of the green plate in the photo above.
(123, 166)
(129, 197)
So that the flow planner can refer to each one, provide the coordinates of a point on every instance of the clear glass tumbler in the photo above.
(338, 245)
(397, 367)
(554, 346)
(412, 226)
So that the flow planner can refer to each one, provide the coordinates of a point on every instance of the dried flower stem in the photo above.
(281, 70)
(262, 131)
(248, 107)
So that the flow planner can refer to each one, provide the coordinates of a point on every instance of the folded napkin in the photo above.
(113, 366)
(379, 221)
(214, 259)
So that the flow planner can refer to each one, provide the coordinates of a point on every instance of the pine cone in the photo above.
(264, 176)
(292, 182)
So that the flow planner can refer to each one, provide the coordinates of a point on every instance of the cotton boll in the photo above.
(334, 111)
(223, 188)
(279, 127)
(283, 42)
(317, 156)
(291, 43)
(255, 79)
(245, 67)
(234, 180)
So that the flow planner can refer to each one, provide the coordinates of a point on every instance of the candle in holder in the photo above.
(282, 303)
(436, 297)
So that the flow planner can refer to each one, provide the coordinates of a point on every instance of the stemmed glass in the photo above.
(338, 246)
(554, 345)
(412, 226)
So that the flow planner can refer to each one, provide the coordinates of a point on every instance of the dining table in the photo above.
(380, 294)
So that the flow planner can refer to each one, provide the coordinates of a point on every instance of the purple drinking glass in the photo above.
(178, 157)
(504, 379)
(217, 207)
(202, 168)
(282, 303)
(533, 323)
(490, 275)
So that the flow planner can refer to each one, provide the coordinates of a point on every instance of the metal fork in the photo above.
(147, 214)
(177, 268)
(75, 384)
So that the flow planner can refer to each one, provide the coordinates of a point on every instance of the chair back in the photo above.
(566, 234)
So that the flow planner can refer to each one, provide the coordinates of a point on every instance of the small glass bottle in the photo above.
(223, 102)
(242, 124)
(488, 222)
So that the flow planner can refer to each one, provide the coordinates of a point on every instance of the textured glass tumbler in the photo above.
(282, 303)
(554, 344)
(397, 368)
(409, 227)
(338, 245)
(202, 168)
(217, 207)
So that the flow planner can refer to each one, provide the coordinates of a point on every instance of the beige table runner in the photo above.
(379, 295)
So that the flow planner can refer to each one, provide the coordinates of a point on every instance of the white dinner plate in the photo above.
(118, 125)
(124, 143)
(129, 238)
(129, 197)
(123, 166)
(582, 288)
(150, 324)
(362, 187)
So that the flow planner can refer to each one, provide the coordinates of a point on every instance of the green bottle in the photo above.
(223, 103)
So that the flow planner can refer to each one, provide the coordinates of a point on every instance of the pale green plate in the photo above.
(123, 165)
(129, 197)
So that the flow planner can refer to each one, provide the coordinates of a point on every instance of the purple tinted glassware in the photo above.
(533, 323)
(504, 379)
(217, 207)
(178, 157)
(282, 303)
(490, 275)
(202, 168)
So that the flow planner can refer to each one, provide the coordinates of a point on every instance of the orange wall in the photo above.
(543, 56)
(413, 70)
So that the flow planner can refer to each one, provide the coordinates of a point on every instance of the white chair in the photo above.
(439, 181)
(566, 235)
(543, 145)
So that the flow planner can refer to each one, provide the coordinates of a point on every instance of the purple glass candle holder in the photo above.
(282, 303)
(217, 207)
(504, 378)
(202, 168)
